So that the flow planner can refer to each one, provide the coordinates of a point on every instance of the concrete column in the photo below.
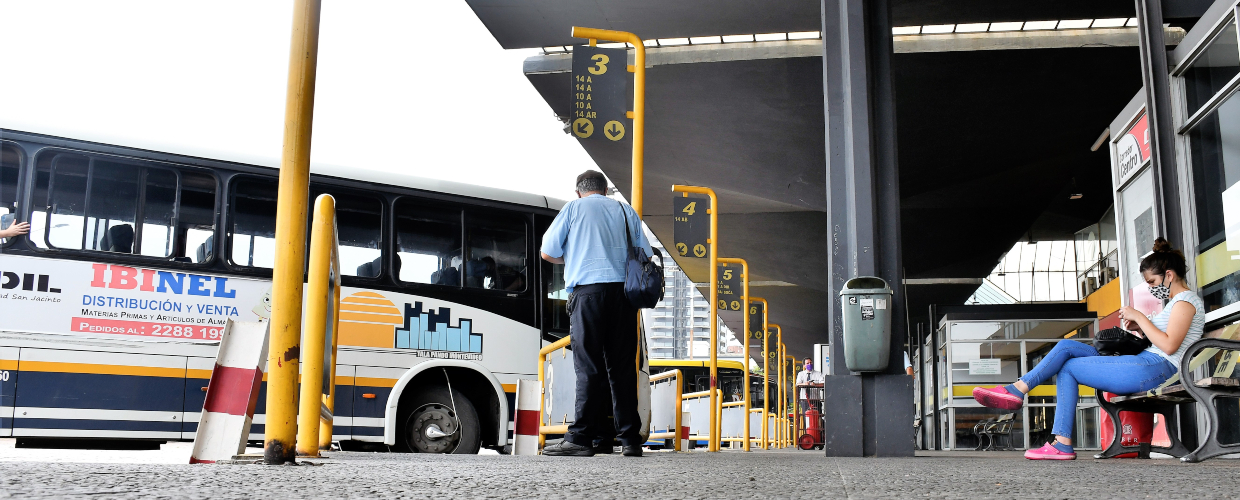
(866, 414)
(1155, 77)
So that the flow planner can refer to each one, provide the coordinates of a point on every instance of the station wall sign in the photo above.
(600, 93)
(691, 226)
(1132, 151)
(731, 294)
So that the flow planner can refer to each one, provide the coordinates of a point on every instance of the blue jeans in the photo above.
(1076, 363)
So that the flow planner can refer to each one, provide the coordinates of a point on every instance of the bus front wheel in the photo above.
(442, 422)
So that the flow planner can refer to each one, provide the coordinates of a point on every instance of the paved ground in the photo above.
(782, 474)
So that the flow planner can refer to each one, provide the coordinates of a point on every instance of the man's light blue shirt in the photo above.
(588, 235)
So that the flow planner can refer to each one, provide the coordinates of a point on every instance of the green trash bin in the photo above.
(866, 302)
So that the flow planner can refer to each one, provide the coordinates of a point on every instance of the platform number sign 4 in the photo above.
(600, 93)
(691, 226)
(731, 292)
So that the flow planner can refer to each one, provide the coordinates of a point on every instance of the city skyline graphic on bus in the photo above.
(429, 330)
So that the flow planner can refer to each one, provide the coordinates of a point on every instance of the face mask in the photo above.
(1161, 292)
(809, 367)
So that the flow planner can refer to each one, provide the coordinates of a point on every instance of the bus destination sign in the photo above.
(731, 291)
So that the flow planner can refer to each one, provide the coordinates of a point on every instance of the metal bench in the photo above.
(1165, 398)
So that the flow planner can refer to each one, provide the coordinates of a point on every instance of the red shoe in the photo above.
(997, 397)
(1048, 452)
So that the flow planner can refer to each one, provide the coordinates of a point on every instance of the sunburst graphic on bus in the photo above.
(368, 319)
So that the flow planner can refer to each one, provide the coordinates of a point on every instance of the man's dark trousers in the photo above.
(603, 327)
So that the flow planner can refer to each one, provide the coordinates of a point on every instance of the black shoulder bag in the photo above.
(1116, 341)
(643, 279)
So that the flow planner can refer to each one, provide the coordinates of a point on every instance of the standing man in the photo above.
(588, 237)
(808, 377)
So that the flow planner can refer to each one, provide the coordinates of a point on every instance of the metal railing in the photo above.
(675, 378)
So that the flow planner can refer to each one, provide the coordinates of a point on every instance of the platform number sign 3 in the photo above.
(691, 226)
(601, 90)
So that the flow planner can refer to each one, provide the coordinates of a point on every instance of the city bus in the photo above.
(112, 307)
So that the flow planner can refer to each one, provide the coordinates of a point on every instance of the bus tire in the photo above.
(433, 426)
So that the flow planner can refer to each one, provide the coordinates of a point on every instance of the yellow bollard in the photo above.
(290, 238)
(314, 349)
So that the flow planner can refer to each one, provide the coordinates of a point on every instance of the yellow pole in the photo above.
(744, 300)
(714, 304)
(794, 423)
(639, 131)
(765, 395)
(766, 358)
(783, 397)
(325, 429)
(639, 101)
(314, 348)
(290, 237)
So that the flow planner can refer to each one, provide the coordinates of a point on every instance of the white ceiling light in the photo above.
(703, 40)
(938, 28)
(804, 35)
(1073, 24)
(906, 30)
(1041, 25)
(737, 38)
(770, 37)
(1006, 26)
(1132, 22)
(972, 28)
(650, 43)
(1109, 23)
(620, 45)
(673, 41)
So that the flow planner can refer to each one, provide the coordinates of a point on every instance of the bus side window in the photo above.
(428, 244)
(359, 225)
(496, 258)
(95, 204)
(196, 221)
(10, 165)
(253, 223)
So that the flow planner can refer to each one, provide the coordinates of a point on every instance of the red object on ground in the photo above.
(813, 430)
(1135, 428)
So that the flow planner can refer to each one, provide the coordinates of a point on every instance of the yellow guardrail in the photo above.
(314, 416)
(676, 379)
(543, 430)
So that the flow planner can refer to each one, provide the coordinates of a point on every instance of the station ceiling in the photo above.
(991, 143)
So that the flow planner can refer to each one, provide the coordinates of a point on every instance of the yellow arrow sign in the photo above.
(614, 130)
(583, 128)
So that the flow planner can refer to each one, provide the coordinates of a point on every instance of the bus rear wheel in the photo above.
(442, 422)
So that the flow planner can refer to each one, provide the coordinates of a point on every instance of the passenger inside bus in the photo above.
(105, 204)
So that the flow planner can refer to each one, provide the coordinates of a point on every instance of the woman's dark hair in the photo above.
(1165, 259)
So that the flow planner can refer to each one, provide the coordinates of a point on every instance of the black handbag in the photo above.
(1116, 341)
(643, 279)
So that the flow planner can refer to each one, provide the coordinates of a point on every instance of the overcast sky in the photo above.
(418, 87)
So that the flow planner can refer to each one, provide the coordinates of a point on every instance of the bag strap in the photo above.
(627, 237)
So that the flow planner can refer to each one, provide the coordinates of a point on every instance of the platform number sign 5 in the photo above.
(690, 226)
(731, 290)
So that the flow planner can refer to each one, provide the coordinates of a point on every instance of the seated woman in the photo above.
(1171, 331)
